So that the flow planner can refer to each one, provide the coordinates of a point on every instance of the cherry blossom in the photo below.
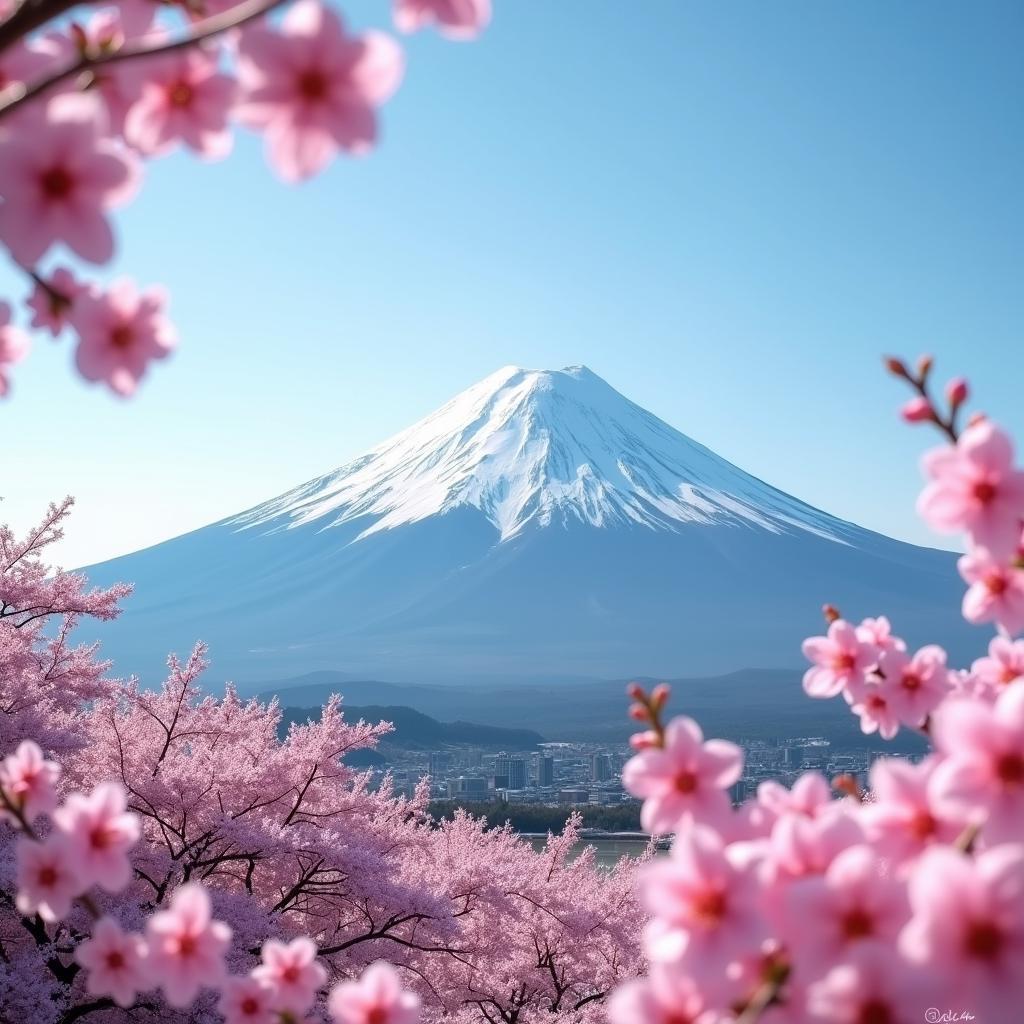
(186, 946)
(115, 962)
(120, 332)
(183, 98)
(916, 685)
(873, 702)
(878, 632)
(51, 303)
(292, 973)
(663, 997)
(456, 19)
(28, 780)
(685, 779)
(841, 660)
(903, 820)
(974, 487)
(245, 1000)
(46, 878)
(312, 89)
(996, 592)
(59, 176)
(981, 775)
(376, 998)
(968, 927)
(99, 831)
(14, 345)
(1003, 665)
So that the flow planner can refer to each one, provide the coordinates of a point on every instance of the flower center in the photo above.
(290, 974)
(100, 838)
(874, 1011)
(1010, 768)
(187, 945)
(376, 1015)
(115, 960)
(844, 662)
(996, 584)
(984, 940)
(710, 906)
(181, 94)
(857, 924)
(1008, 675)
(122, 336)
(313, 86)
(57, 183)
(911, 681)
(922, 825)
(984, 491)
(47, 876)
(686, 782)
(250, 1006)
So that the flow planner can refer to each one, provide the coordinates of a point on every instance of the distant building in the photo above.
(469, 786)
(546, 771)
(600, 767)
(517, 773)
(574, 796)
(440, 761)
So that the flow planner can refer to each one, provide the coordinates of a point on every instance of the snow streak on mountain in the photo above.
(541, 447)
(537, 526)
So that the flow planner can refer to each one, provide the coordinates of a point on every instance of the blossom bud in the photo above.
(847, 785)
(924, 365)
(956, 391)
(831, 613)
(639, 712)
(635, 691)
(660, 695)
(644, 740)
(917, 410)
(976, 418)
(895, 367)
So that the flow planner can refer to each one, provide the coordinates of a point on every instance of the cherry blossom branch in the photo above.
(249, 10)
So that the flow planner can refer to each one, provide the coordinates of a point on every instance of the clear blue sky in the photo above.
(727, 210)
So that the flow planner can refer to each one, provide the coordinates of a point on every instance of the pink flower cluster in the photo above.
(183, 948)
(889, 906)
(72, 146)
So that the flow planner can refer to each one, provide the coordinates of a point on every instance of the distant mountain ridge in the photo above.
(538, 525)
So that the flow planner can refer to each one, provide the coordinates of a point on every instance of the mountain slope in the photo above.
(539, 524)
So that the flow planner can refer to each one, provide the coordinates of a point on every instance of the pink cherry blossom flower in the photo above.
(247, 1001)
(100, 831)
(841, 660)
(800, 845)
(120, 332)
(59, 176)
(115, 962)
(968, 924)
(182, 98)
(186, 947)
(811, 794)
(376, 998)
(981, 776)
(915, 686)
(996, 592)
(684, 780)
(704, 901)
(51, 305)
(974, 487)
(878, 632)
(1004, 665)
(455, 19)
(873, 703)
(312, 89)
(291, 971)
(46, 878)
(902, 821)
(824, 918)
(14, 344)
(873, 986)
(29, 780)
(664, 997)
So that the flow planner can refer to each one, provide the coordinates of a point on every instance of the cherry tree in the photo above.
(90, 92)
(157, 822)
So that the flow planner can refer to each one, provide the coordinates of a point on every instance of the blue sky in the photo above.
(729, 211)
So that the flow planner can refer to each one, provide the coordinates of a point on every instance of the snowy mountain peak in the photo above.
(538, 448)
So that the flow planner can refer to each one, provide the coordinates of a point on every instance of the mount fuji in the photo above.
(539, 526)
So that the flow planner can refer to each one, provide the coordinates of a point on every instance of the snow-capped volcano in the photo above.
(541, 447)
(537, 525)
